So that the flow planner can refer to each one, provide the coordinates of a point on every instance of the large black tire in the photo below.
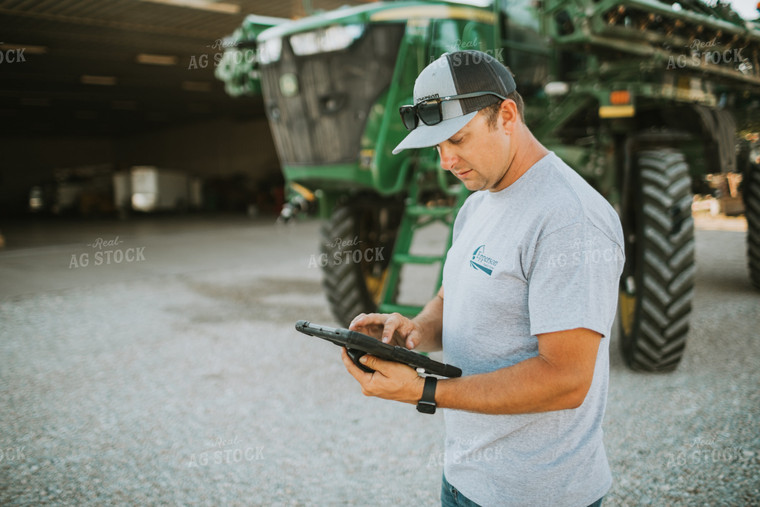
(657, 285)
(751, 193)
(357, 244)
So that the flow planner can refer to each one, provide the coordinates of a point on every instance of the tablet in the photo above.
(357, 344)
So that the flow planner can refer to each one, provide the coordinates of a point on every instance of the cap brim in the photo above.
(425, 135)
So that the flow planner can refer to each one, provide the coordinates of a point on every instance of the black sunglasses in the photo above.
(430, 111)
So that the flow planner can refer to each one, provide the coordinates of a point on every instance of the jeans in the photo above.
(452, 497)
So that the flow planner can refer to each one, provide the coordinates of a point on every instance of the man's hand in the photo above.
(390, 381)
(391, 328)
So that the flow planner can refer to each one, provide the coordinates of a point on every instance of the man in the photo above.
(531, 284)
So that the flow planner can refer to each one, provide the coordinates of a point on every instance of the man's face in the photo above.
(478, 154)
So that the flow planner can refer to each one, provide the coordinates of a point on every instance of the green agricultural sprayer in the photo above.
(642, 97)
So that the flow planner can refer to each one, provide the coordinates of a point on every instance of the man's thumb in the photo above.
(370, 361)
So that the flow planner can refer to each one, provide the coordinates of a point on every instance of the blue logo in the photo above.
(482, 262)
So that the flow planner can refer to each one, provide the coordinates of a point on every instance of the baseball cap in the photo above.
(456, 73)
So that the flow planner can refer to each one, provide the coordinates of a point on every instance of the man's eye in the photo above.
(456, 141)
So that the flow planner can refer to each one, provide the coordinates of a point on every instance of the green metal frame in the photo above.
(418, 215)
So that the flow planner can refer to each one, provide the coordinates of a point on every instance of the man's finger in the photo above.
(389, 329)
(395, 323)
(357, 321)
(410, 343)
(381, 366)
(369, 324)
(370, 362)
(359, 374)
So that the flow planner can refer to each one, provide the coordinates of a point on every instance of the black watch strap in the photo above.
(426, 405)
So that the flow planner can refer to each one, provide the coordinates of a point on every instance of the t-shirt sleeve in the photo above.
(573, 280)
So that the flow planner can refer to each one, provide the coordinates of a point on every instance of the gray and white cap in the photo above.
(456, 73)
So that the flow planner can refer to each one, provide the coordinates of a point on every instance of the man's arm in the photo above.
(423, 333)
(557, 379)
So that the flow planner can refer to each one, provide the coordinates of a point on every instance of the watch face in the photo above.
(426, 407)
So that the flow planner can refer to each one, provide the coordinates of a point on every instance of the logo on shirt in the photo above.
(482, 262)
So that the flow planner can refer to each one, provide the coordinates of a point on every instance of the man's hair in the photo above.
(492, 111)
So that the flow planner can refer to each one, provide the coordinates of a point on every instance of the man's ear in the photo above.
(508, 115)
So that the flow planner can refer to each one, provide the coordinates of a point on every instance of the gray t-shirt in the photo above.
(545, 254)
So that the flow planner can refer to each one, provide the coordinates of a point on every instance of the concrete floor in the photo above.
(175, 376)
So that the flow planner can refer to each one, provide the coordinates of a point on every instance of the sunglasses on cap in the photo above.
(430, 111)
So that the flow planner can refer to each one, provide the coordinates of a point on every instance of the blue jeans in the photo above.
(452, 497)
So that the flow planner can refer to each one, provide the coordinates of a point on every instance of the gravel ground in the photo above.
(178, 379)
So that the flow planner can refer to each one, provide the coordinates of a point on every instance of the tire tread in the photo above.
(665, 261)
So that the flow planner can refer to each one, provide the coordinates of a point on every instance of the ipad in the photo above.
(357, 344)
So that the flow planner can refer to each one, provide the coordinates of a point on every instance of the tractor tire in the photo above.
(751, 194)
(357, 244)
(657, 285)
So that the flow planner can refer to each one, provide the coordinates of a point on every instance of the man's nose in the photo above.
(448, 159)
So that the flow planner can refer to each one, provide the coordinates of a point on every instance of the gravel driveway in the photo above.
(178, 378)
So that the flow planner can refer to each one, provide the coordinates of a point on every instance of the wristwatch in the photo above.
(426, 405)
